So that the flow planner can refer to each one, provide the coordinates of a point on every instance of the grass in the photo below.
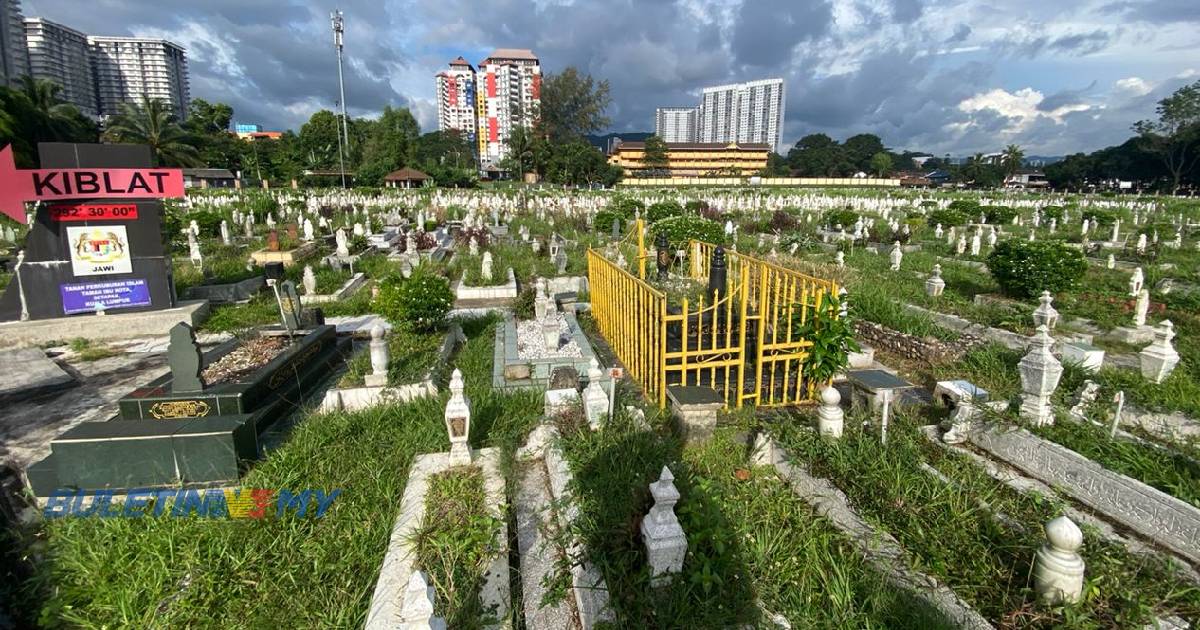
(749, 538)
(410, 357)
(1171, 472)
(952, 532)
(456, 543)
(193, 572)
(89, 350)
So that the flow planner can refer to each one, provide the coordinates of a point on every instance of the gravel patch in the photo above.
(530, 345)
(246, 358)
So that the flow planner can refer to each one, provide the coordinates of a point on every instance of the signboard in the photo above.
(99, 250)
(94, 212)
(49, 184)
(83, 298)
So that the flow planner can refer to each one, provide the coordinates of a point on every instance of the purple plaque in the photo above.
(83, 297)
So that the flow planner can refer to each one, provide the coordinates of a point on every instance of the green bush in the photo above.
(626, 207)
(969, 207)
(420, 301)
(602, 224)
(1052, 212)
(947, 217)
(522, 305)
(662, 210)
(1024, 269)
(1102, 217)
(999, 214)
(681, 229)
(845, 218)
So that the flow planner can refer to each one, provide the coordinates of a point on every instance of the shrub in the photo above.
(999, 214)
(1024, 269)
(208, 221)
(832, 340)
(420, 301)
(693, 206)
(1052, 212)
(1102, 217)
(359, 244)
(522, 305)
(681, 229)
(969, 207)
(662, 210)
(947, 217)
(845, 218)
(626, 207)
(481, 234)
(602, 224)
(782, 221)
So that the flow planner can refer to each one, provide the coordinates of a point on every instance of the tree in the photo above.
(390, 143)
(578, 163)
(859, 149)
(319, 141)
(881, 163)
(573, 105)
(208, 118)
(1012, 159)
(654, 156)
(817, 155)
(777, 166)
(1070, 173)
(523, 149)
(153, 123)
(35, 112)
(1173, 136)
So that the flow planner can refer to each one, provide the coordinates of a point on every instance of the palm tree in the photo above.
(44, 96)
(1012, 159)
(152, 123)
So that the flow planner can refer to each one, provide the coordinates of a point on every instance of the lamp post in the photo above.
(339, 29)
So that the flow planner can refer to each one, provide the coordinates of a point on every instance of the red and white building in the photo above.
(504, 90)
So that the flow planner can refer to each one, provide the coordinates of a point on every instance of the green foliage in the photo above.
(844, 218)
(1024, 269)
(421, 301)
(152, 123)
(1052, 212)
(947, 217)
(523, 304)
(999, 214)
(602, 223)
(1102, 216)
(662, 210)
(627, 207)
(832, 340)
(655, 154)
(681, 229)
(969, 207)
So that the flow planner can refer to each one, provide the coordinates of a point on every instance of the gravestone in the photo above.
(185, 359)
(564, 377)
(289, 305)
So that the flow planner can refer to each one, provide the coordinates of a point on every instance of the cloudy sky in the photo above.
(959, 76)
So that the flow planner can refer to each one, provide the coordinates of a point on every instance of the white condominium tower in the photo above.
(130, 68)
(742, 112)
(456, 99)
(676, 124)
(60, 54)
(14, 59)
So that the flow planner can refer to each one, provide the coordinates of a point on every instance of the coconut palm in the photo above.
(153, 123)
(1012, 159)
(56, 115)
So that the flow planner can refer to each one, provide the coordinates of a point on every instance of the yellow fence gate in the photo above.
(745, 339)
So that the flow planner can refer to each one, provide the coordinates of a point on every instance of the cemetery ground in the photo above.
(891, 521)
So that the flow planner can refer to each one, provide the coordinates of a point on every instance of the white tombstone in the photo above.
(992, 237)
(1177, 242)
(840, 259)
(473, 246)
(595, 399)
(960, 247)
(1084, 399)
(1032, 236)
(416, 609)
(309, 280)
(1045, 314)
(9, 235)
(1159, 359)
(308, 230)
(1136, 280)
(666, 544)
(975, 243)
(226, 238)
(896, 256)
(729, 228)
(194, 227)
(951, 237)
(248, 227)
(934, 285)
(359, 230)
(379, 358)
(550, 331)
(1111, 263)
(937, 232)
(1040, 373)
(830, 418)
(1141, 243)
(1116, 232)
(1053, 225)
(485, 267)
(1058, 568)
(458, 421)
(343, 243)
(1141, 308)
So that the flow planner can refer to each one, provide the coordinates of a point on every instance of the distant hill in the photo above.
(632, 136)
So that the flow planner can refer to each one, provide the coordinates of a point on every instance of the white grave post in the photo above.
(1111, 263)
(666, 544)
(1045, 314)
(458, 421)
(379, 358)
(416, 609)
(226, 238)
(595, 400)
(934, 285)
(1141, 308)
(1136, 279)
(1159, 359)
(830, 418)
(309, 280)
(1058, 568)
(343, 243)
(1040, 373)
(897, 256)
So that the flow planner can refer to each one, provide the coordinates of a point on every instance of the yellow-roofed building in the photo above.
(696, 159)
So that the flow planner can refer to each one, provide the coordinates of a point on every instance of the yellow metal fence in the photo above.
(747, 341)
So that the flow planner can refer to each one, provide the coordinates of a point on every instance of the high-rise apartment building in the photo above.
(14, 58)
(60, 54)
(128, 69)
(676, 124)
(508, 92)
(456, 99)
(742, 112)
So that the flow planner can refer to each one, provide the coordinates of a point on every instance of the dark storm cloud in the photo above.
(1064, 98)
(1157, 11)
(907, 11)
(766, 31)
(1082, 43)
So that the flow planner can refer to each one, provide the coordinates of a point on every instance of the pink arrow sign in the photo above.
(49, 184)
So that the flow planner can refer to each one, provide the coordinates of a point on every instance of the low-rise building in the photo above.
(696, 159)
(208, 178)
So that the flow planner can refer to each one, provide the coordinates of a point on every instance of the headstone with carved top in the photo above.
(185, 359)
